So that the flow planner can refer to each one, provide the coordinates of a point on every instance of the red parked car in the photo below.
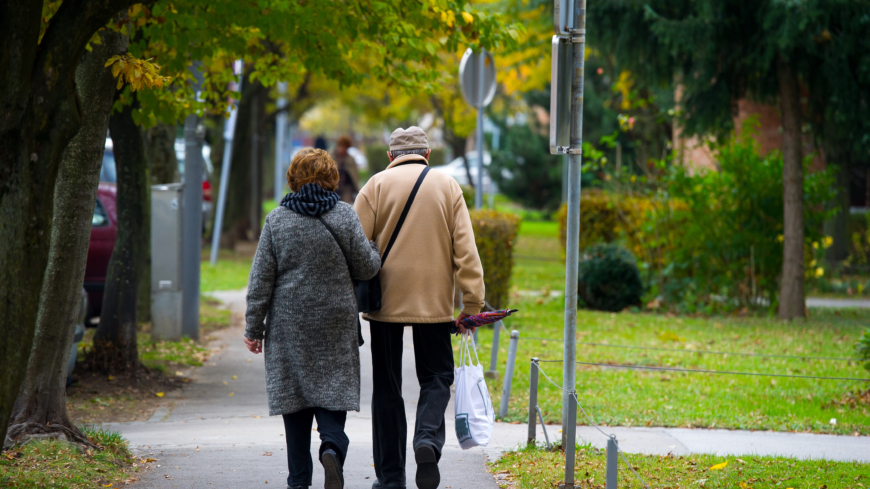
(104, 227)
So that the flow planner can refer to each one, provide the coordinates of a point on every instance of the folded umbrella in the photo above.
(487, 317)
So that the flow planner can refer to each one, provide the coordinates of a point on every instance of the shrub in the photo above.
(525, 171)
(494, 234)
(609, 278)
(862, 348)
(377, 156)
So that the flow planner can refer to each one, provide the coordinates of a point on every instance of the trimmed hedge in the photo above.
(494, 234)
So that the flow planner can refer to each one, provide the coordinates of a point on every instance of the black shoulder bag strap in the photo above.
(360, 339)
(404, 214)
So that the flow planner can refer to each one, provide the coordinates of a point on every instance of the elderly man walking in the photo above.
(434, 247)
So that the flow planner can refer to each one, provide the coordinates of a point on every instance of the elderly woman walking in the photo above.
(310, 249)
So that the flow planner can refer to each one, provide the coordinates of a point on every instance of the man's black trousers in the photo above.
(297, 430)
(433, 357)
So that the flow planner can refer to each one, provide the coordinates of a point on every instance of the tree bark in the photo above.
(237, 217)
(163, 167)
(39, 114)
(791, 296)
(41, 405)
(837, 226)
(115, 347)
(160, 153)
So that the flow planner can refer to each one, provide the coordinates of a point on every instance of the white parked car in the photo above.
(456, 169)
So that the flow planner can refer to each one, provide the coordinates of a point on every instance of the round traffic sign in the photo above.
(474, 92)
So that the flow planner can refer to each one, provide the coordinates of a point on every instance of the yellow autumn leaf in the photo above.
(235, 377)
(110, 378)
(159, 394)
(135, 9)
(467, 17)
(719, 466)
(231, 394)
(743, 485)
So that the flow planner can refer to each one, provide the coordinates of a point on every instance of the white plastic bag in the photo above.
(474, 415)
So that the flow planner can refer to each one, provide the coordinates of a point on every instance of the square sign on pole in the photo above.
(563, 17)
(562, 75)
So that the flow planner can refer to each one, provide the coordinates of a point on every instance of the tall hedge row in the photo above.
(495, 233)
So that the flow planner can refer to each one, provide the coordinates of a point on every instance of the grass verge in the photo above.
(616, 396)
(61, 465)
(537, 468)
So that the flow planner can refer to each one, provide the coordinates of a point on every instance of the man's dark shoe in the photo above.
(428, 476)
(332, 468)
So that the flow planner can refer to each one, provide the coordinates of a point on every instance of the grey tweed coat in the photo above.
(300, 284)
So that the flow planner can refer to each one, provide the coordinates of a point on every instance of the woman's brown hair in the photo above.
(312, 166)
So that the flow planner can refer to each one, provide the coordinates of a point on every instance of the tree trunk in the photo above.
(237, 220)
(41, 405)
(791, 296)
(40, 114)
(163, 167)
(837, 226)
(160, 153)
(115, 345)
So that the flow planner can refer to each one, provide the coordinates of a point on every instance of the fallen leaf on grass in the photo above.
(719, 466)
(743, 485)
(159, 394)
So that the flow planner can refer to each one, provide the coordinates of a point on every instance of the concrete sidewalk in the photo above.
(207, 438)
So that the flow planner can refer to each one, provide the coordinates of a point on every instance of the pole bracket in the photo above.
(574, 151)
(581, 39)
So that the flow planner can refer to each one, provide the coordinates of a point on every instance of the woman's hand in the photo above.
(254, 346)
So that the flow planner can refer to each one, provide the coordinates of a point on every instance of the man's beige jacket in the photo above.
(435, 244)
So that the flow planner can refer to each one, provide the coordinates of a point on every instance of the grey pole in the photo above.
(492, 373)
(612, 462)
(191, 231)
(570, 446)
(256, 204)
(280, 133)
(578, 37)
(478, 192)
(226, 163)
(509, 374)
(533, 402)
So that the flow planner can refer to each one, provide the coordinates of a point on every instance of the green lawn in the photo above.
(646, 398)
(537, 468)
(229, 273)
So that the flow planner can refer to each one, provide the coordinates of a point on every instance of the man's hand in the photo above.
(460, 328)
(254, 346)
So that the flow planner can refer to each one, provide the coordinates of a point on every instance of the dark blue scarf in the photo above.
(310, 200)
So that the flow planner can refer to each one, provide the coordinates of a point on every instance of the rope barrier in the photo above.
(724, 372)
(592, 423)
(712, 352)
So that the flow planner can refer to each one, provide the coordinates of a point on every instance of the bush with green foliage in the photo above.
(609, 278)
(862, 348)
(494, 234)
(525, 171)
(377, 156)
(731, 225)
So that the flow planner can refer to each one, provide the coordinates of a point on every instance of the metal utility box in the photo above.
(166, 289)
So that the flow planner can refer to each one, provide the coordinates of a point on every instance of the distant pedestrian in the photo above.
(320, 143)
(434, 245)
(300, 284)
(348, 171)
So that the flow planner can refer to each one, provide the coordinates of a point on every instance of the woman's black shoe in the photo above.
(332, 468)
(428, 476)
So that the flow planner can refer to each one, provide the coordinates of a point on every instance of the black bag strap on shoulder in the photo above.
(335, 236)
(404, 214)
